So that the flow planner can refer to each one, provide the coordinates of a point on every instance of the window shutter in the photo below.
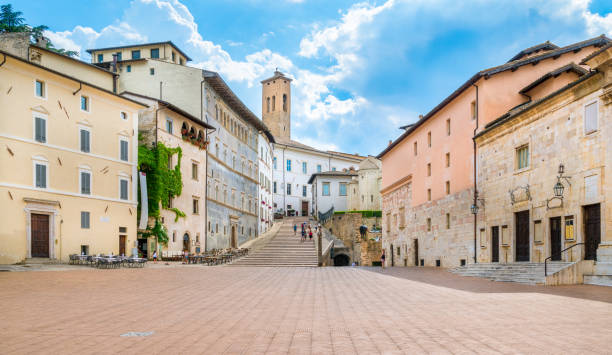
(590, 117)
(39, 182)
(85, 183)
(37, 135)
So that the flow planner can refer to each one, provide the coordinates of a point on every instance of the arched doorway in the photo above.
(341, 260)
(234, 239)
(186, 242)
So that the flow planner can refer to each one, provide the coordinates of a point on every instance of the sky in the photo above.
(361, 69)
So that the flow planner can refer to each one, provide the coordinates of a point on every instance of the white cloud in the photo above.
(315, 143)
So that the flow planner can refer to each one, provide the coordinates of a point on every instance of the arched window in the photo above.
(184, 129)
(285, 102)
(273, 103)
(267, 104)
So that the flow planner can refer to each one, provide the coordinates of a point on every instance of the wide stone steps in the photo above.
(528, 273)
(284, 250)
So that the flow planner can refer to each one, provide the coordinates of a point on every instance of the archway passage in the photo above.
(186, 242)
(341, 260)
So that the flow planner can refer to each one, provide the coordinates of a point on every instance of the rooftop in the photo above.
(332, 173)
(571, 67)
(141, 45)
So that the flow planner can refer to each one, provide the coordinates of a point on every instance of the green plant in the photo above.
(158, 231)
(364, 214)
(178, 213)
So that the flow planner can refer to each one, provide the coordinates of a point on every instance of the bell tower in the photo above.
(276, 105)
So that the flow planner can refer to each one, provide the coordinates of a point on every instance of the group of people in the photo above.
(307, 230)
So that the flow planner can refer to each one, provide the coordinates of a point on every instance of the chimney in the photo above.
(390, 141)
(42, 41)
(420, 117)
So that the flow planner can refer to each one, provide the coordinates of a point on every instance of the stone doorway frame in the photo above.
(46, 207)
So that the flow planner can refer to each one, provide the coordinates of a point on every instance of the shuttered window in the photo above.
(123, 189)
(522, 157)
(590, 118)
(40, 130)
(85, 144)
(123, 146)
(85, 183)
(41, 175)
(84, 220)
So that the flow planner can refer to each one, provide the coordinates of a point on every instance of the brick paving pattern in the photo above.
(194, 309)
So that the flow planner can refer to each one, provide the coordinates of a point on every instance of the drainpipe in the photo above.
(79, 89)
(475, 179)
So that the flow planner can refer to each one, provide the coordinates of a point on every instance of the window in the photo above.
(100, 58)
(129, 68)
(326, 189)
(267, 104)
(304, 168)
(288, 189)
(429, 139)
(40, 129)
(428, 169)
(85, 182)
(155, 53)
(285, 102)
(304, 188)
(123, 149)
(85, 220)
(448, 187)
(429, 224)
(538, 234)
(123, 190)
(274, 187)
(388, 224)
(448, 127)
(402, 217)
(448, 160)
(473, 110)
(194, 171)
(288, 165)
(273, 103)
(590, 118)
(84, 138)
(181, 61)
(118, 55)
(522, 157)
(136, 54)
(428, 194)
(174, 60)
(85, 103)
(169, 125)
(152, 71)
(196, 206)
(40, 89)
(318, 168)
(415, 148)
(123, 115)
(448, 221)
(343, 189)
(40, 175)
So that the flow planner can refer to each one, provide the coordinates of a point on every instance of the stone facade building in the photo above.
(294, 162)
(162, 122)
(429, 172)
(68, 159)
(266, 197)
(543, 172)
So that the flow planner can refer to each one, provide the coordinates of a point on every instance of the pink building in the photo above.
(428, 173)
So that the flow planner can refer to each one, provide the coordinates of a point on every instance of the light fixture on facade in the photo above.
(474, 208)
(558, 189)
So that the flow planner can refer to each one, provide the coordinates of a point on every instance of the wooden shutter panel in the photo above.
(43, 130)
(43, 175)
(590, 117)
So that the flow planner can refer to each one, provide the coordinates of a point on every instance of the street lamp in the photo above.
(559, 188)
(474, 208)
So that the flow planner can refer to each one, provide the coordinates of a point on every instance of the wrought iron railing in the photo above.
(324, 217)
(559, 255)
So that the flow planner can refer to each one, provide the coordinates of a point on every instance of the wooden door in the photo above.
(233, 241)
(416, 252)
(122, 239)
(522, 236)
(186, 242)
(495, 244)
(555, 238)
(40, 235)
(304, 208)
(392, 260)
(592, 231)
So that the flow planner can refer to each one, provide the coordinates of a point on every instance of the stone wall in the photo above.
(346, 228)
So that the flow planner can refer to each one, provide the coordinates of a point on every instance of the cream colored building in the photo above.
(364, 190)
(165, 123)
(544, 172)
(68, 157)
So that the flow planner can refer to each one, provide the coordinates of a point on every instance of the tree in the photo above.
(11, 21)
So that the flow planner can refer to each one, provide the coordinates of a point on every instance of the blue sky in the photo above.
(360, 69)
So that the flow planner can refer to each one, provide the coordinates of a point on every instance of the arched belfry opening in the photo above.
(276, 105)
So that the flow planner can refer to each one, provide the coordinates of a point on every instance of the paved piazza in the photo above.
(194, 309)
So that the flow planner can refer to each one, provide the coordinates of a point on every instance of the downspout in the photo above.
(79, 89)
(475, 179)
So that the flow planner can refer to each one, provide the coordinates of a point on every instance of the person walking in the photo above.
(310, 234)
(294, 229)
(382, 259)
(155, 257)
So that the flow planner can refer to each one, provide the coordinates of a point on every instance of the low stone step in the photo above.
(600, 280)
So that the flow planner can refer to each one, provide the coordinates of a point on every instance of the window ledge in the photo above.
(517, 172)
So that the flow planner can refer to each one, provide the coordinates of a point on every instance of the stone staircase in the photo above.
(527, 273)
(283, 250)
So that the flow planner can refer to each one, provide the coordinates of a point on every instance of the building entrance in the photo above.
(304, 208)
(592, 231)
(40, 235)
(555, 238)
(495, 244)
(522, 236)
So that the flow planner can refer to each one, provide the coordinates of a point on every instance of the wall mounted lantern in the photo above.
(559, 188)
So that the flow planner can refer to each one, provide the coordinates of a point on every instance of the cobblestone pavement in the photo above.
(285, 310)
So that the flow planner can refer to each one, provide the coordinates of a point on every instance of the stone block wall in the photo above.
(346, 228)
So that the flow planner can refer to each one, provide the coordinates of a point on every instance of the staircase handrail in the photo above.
(550, 257)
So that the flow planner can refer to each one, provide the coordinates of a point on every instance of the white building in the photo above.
(364, 190)
(294, 162)
(330, 189)
(266, 198)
